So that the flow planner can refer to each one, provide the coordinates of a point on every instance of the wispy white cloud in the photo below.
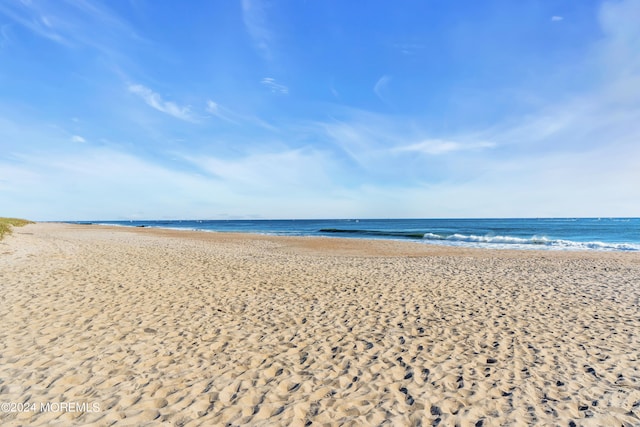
(213, 107)
(250, 184)
(441, 146)
(254, 15)
(271, 172)
(274, 86)
(79, 26)
(34, 17)
(231, 116)
(5, 38)
(129, 187)
(408, 48)
(220, 112)
(24, 133)
(155, 101)
(557, 18)
(618, 53)
(103, 15)
(380, 87)
(359, 136)
(72, 23)
(78, 139)
(374, 148)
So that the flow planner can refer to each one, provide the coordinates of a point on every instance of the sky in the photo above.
(142, 109)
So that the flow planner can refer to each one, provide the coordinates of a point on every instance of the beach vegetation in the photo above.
(7, 223)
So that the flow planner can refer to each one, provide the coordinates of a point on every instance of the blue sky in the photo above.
(134, 109)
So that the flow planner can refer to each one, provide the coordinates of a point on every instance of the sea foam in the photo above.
(535, 242)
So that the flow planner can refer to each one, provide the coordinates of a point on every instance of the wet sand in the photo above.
(122, 326)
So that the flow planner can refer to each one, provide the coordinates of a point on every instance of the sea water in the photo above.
(602, 234)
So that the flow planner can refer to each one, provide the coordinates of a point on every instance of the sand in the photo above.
(119, 326)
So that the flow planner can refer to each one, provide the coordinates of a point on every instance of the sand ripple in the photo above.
(184, 329)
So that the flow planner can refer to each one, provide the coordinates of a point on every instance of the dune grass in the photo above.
(7, 223)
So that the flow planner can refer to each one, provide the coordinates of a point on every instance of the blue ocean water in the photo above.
(604, 234)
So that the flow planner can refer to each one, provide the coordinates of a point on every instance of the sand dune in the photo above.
(149, 327)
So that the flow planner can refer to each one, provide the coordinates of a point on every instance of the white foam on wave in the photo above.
(601, 246)
(431, 236)
(535, 242)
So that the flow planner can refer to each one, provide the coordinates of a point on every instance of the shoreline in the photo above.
(515, 248)
(189, 328)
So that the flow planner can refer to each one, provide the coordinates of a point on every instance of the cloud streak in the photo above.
(231, 116)
(154, 100)
(5, 38)
(381, 86)
(71, 24)
(408, 48)
(270, 172)
(255, 20)
(32, 17)
(275, 87)
(220, 112)
(435, 147)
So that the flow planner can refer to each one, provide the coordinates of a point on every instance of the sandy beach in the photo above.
(122, 326)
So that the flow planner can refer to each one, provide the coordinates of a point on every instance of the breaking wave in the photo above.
(488, 241)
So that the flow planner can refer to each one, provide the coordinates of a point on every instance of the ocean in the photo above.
(599, 234)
